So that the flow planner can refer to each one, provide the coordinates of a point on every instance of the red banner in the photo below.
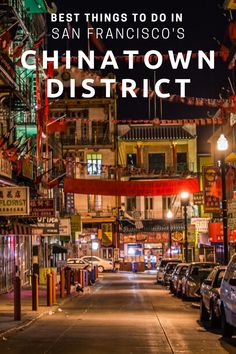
(131, 188)
(216, 233)
(211, 189)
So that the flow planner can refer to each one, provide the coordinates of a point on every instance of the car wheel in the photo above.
(204, 316)
(100, 269)
(214, 320)
(227, 329)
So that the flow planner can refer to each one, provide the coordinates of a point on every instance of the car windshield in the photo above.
(201, 274)
(170, 267)
(164, 262)
(183, 270)
(219, 278)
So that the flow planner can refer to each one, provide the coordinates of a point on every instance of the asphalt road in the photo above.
(123, 313)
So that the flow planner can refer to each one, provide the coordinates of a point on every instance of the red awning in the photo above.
(131, 188)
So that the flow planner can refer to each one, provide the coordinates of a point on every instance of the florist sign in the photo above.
(14, 201)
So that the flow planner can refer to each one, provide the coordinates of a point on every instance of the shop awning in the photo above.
(58, 248)
(131, 188)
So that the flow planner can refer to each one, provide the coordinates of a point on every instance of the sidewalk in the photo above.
(7, 322)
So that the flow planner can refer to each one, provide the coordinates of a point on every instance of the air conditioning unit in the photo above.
(230, 5)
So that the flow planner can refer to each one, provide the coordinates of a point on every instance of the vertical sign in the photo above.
(107, 234)
(69, 197)
(211, 189)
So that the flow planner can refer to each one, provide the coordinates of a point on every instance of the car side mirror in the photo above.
(232, 282)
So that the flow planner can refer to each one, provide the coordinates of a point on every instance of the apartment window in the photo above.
(182, 161)
(148, 207)
(131, 159)
(94, 202)
(100, 132)
(148, 203)
(94, 162)
(156, 162)
(166, 203)
(84, 131)
(131, 203)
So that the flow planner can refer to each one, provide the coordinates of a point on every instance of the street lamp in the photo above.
(185, 202)
(222, 146)
(92, 238)
(169, 218)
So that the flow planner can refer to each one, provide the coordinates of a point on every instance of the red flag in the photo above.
(55, 182)
(58, 126)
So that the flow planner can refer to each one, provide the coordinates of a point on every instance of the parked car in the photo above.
(172, 278)
(228, 299)
(161, 266)
(210, 300)
(195, 274)
(102, 264)
(77, 263)
(168, 270)
(176, 278)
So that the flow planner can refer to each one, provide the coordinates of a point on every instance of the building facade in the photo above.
(148, 153)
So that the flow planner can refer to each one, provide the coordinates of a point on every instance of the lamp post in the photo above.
(169, 218)
(222, 146)
(92, 238)
(185, 202)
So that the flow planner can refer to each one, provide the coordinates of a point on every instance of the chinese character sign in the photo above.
(211, 186)
(42, 207)
(14, 201)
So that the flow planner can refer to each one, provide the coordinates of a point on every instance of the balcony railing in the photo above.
(132, 171)
(150, 214)
(66, 141)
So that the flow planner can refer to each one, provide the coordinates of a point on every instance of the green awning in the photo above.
(35, 6)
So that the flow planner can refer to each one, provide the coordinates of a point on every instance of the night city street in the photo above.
(123, 313)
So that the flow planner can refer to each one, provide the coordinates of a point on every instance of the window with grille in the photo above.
(94, 162)
(131, 203)
(131, 159)
(182, 164)
(156, 162)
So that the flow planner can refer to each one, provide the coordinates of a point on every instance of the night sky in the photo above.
(203, 20)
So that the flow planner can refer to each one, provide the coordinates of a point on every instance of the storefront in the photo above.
(7, 262)
(150, 243)
(15, 257)
(216, 238)
(98, 236)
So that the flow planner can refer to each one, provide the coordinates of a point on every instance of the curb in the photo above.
(195, 305)
(27, 323)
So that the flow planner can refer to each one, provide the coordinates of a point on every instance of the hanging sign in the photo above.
(49, 226)
(42, 207)
(14, 201)
(107, 234)
(198, 198)
(211, 189)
